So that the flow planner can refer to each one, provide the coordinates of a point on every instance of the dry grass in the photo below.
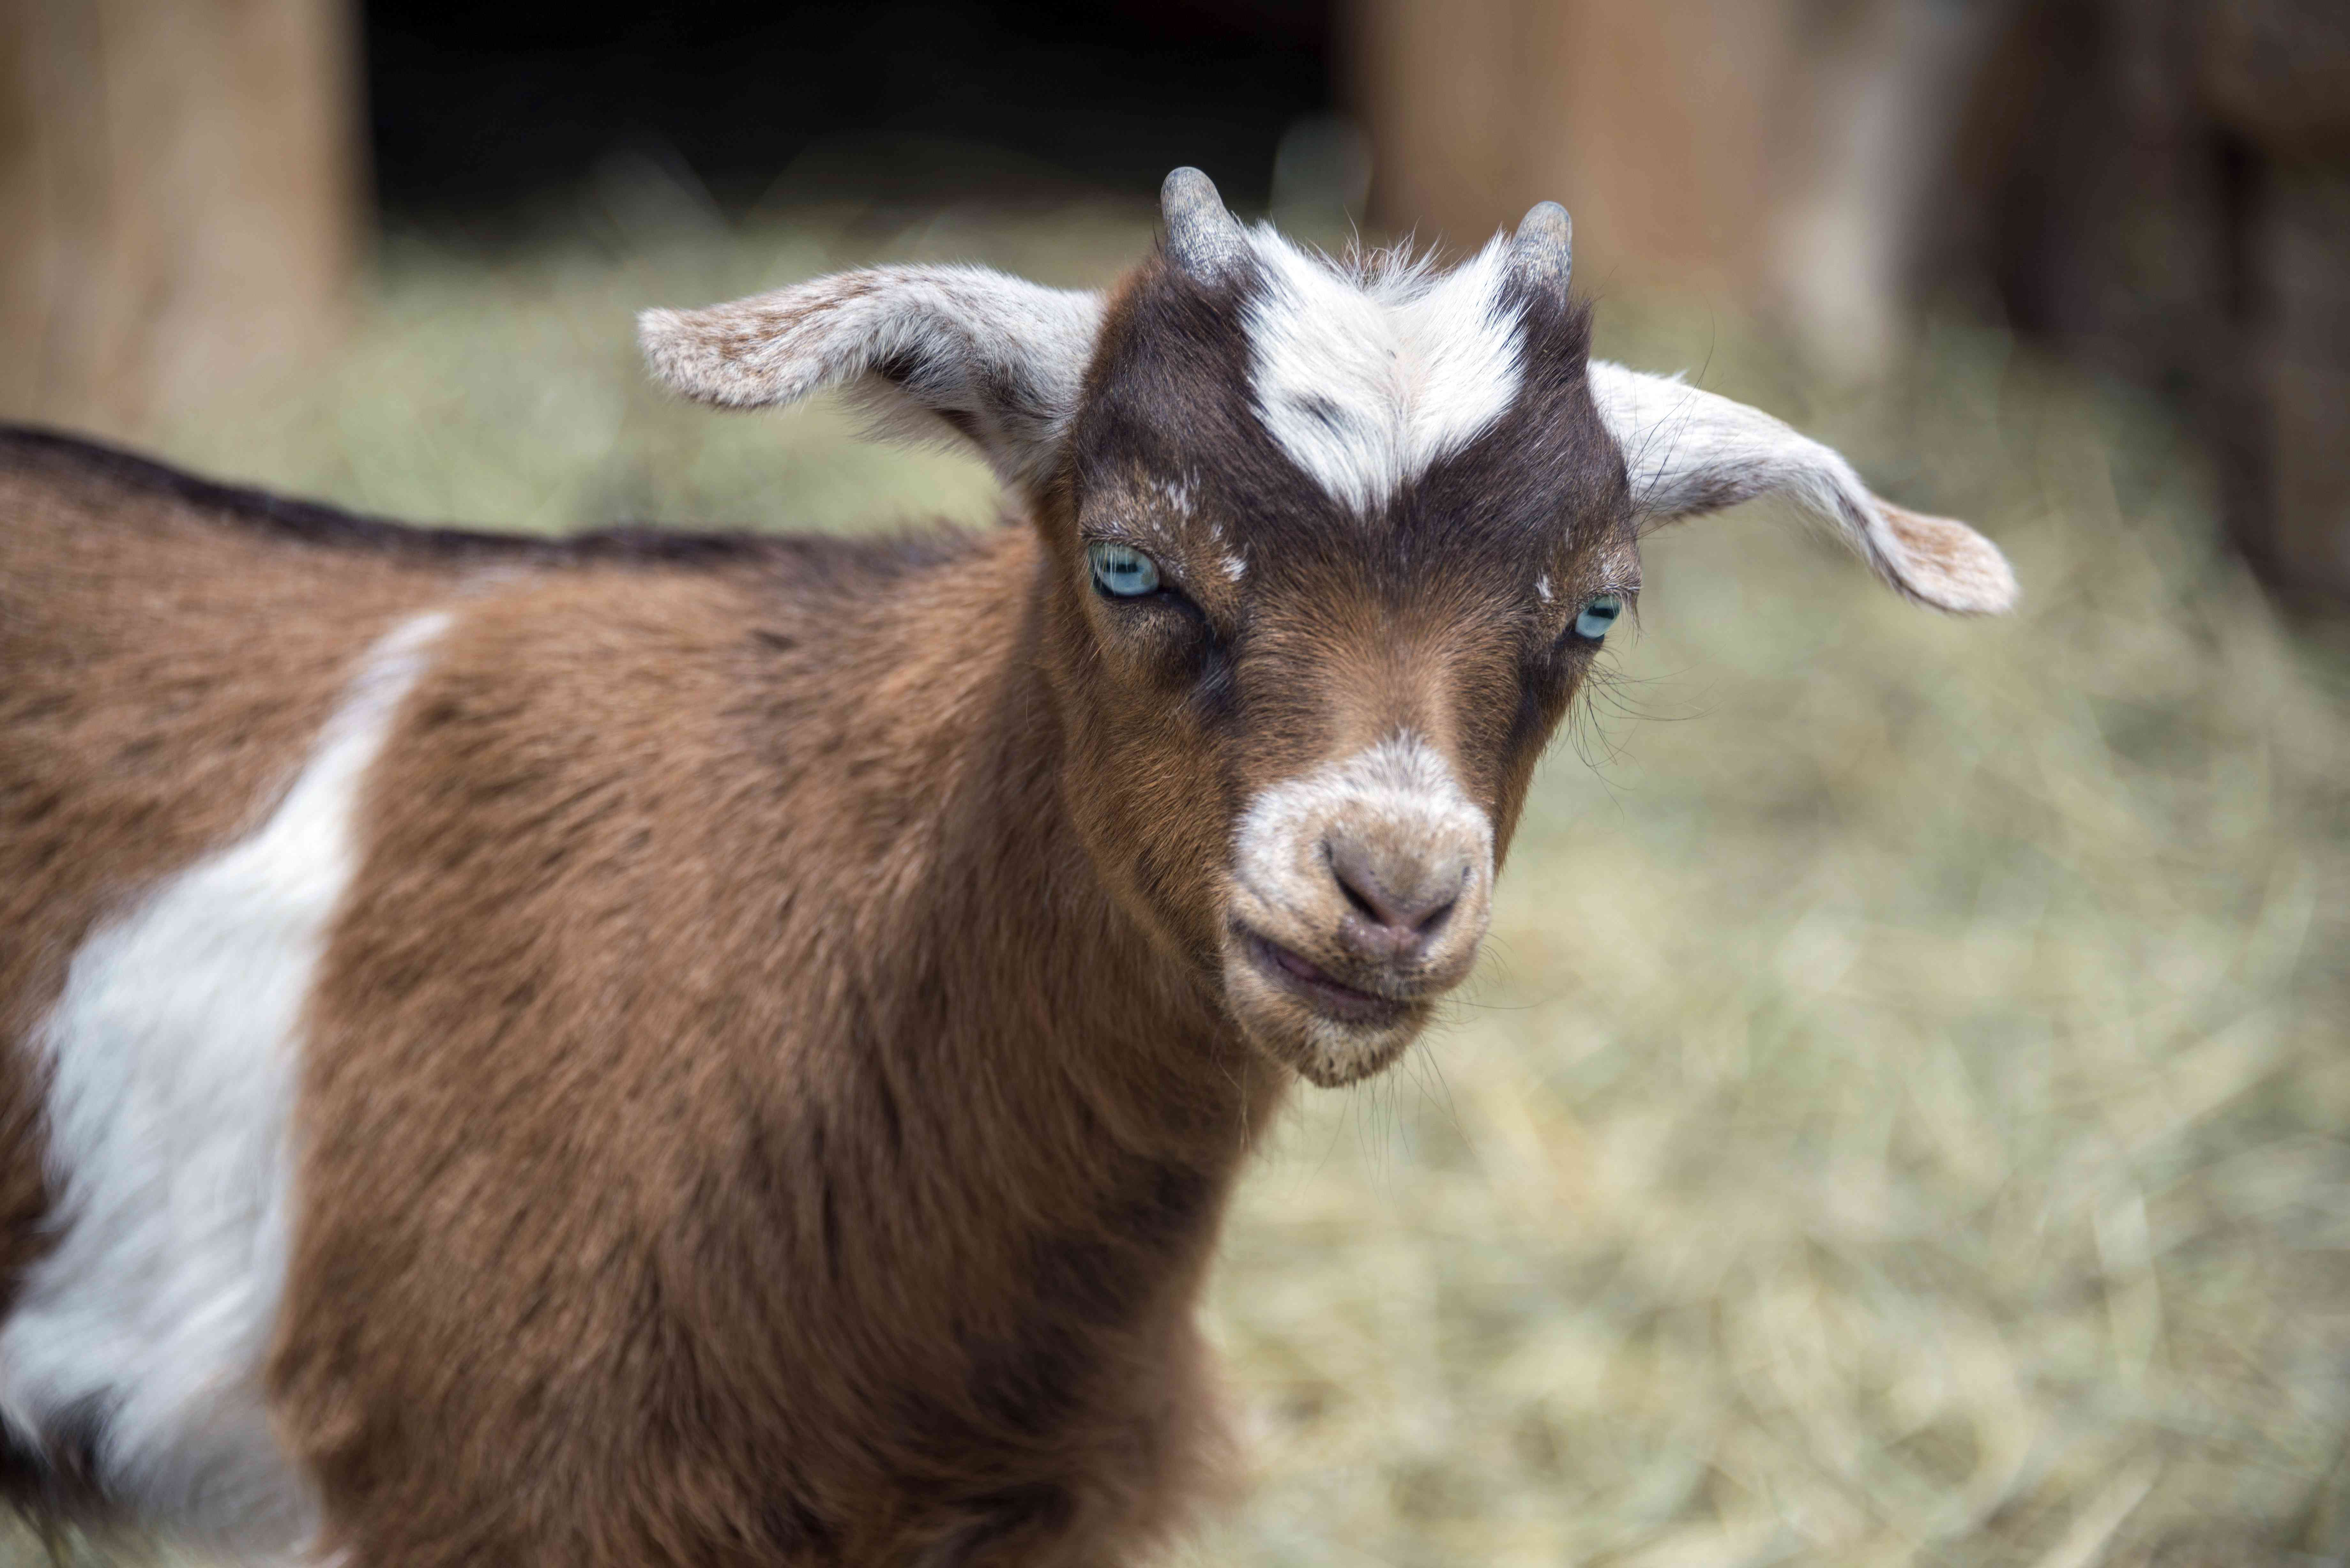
(1902, 1118)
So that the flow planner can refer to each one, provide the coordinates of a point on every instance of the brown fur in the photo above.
(770, 1092)
(796, 1034)
(693, 1213)
(775, 1076)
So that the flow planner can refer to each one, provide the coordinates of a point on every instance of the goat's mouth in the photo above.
(1322, 992)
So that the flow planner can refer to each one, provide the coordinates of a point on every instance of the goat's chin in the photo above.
(1328, 1052)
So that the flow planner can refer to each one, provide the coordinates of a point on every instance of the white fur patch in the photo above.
(1401, 788)
(1365, 385)
(174, 1055)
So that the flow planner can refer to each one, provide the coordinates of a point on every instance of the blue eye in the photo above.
(1598, 616)
(1121, 571)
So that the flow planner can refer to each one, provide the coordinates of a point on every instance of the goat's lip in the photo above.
(1311, 985)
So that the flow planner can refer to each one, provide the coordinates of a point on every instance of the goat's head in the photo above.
(1328, 548)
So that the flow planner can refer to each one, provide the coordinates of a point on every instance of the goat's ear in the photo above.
(1689, 452)
(928, 350)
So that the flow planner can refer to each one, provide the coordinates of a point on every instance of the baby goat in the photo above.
(665, 1049)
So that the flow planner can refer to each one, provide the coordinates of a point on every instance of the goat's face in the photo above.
(1329, 551)
(1336, 547)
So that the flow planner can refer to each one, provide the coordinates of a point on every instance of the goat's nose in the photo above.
(1396, 900)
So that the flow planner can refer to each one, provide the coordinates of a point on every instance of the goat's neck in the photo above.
(1051, 1050)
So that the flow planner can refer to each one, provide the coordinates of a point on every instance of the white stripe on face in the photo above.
(1366, 386)
(174, 1055)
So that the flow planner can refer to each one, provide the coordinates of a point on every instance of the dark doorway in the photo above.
(477, 108)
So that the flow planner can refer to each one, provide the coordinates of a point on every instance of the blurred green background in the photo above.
(1901, 1116)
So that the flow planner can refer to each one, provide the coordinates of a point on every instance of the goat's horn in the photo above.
(1543, 250)
(1203, 238)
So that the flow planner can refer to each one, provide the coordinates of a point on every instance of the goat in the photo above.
(650, 1048)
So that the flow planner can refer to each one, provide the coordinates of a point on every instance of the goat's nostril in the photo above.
(1366, 904)
(1403, 904)
(1360, 883)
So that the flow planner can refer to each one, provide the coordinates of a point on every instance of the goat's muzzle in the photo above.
(1360, 893)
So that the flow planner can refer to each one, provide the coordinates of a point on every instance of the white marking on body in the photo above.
(174, 1057)
(1236, 568)
(1365, 385)
(1401, 788)
(1541, 586)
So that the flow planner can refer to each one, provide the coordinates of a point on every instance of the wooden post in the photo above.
(182, 191)
(1771, 152)
(1663, 151)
